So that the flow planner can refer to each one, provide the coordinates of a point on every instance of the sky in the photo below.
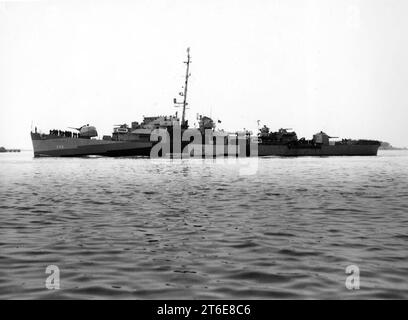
(331, 65)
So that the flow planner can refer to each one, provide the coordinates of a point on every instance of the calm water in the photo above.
(258, 228)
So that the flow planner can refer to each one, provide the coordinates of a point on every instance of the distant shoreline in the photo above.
(388, 146)
(4, 150)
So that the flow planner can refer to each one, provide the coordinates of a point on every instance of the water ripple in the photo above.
(139, 228)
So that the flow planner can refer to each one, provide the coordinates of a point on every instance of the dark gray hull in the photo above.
(77, 147)
(322, 151)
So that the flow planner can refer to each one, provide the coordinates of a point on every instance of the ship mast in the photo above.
(184, 94)
(183, 119)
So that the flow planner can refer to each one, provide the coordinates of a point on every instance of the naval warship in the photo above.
(138, 139)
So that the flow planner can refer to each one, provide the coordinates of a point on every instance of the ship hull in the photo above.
(77, 147)
(322, 151)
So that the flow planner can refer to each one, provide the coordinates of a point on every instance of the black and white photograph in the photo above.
(220, 152)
